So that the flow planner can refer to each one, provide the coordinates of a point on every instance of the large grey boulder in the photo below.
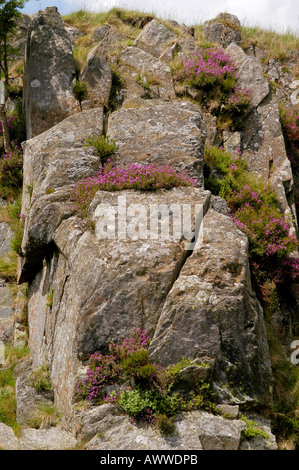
(212, 312)
(145, 77)
(250, 74)
(106, 429)
(223, 30)
(166, 133)
(102, 288)
(49, 72)
(265, 151)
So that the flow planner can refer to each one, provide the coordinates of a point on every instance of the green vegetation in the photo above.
(146, 391)
(104, 146)
(40, 379)
(45, 416)
(7, 385)
(256, 212)
(80, 91)
(274, 44)
(253, 430)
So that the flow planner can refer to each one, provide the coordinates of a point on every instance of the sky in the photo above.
(280, 15)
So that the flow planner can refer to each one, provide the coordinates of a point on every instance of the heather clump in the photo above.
(213, 72)
(209, 68)
(139, 177)
(255, 211)
(140, 388)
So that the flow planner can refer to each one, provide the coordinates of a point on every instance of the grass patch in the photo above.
(7, 385)
(275, 44)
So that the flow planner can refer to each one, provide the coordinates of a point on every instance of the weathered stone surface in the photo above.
(212, 311)
(110, 45)
(28, 399)
(250, 74)
(95, 421)
(53, 163)
(100, 32)
(6, 301)
(6, 236)
(193, 431)
(232, 141)
(49, 72)
(74, 33)
(98, 77)
(154, 38)
(138, 66)
(167, 134)
(8, 439)
(224, 29)
(47, 439)
(229, 411)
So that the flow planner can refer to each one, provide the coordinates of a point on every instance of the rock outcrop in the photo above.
(49, 71)
(93, 281)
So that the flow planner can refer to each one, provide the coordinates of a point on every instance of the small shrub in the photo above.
(40, 379)
(209, 68)
(104, 145)
(238, 102)
(11, 172)
(138, 177)
(253, 430)
(80, 91)
(138, 340)
(45, 417)
(148, 398)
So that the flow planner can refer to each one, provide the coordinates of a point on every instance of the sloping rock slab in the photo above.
(8, 439)
(193, 431)
(250, 75)
(47, 439)
(136, 64)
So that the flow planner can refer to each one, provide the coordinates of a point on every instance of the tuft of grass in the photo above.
(45, 416)
(275, 44)
(40, 379)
